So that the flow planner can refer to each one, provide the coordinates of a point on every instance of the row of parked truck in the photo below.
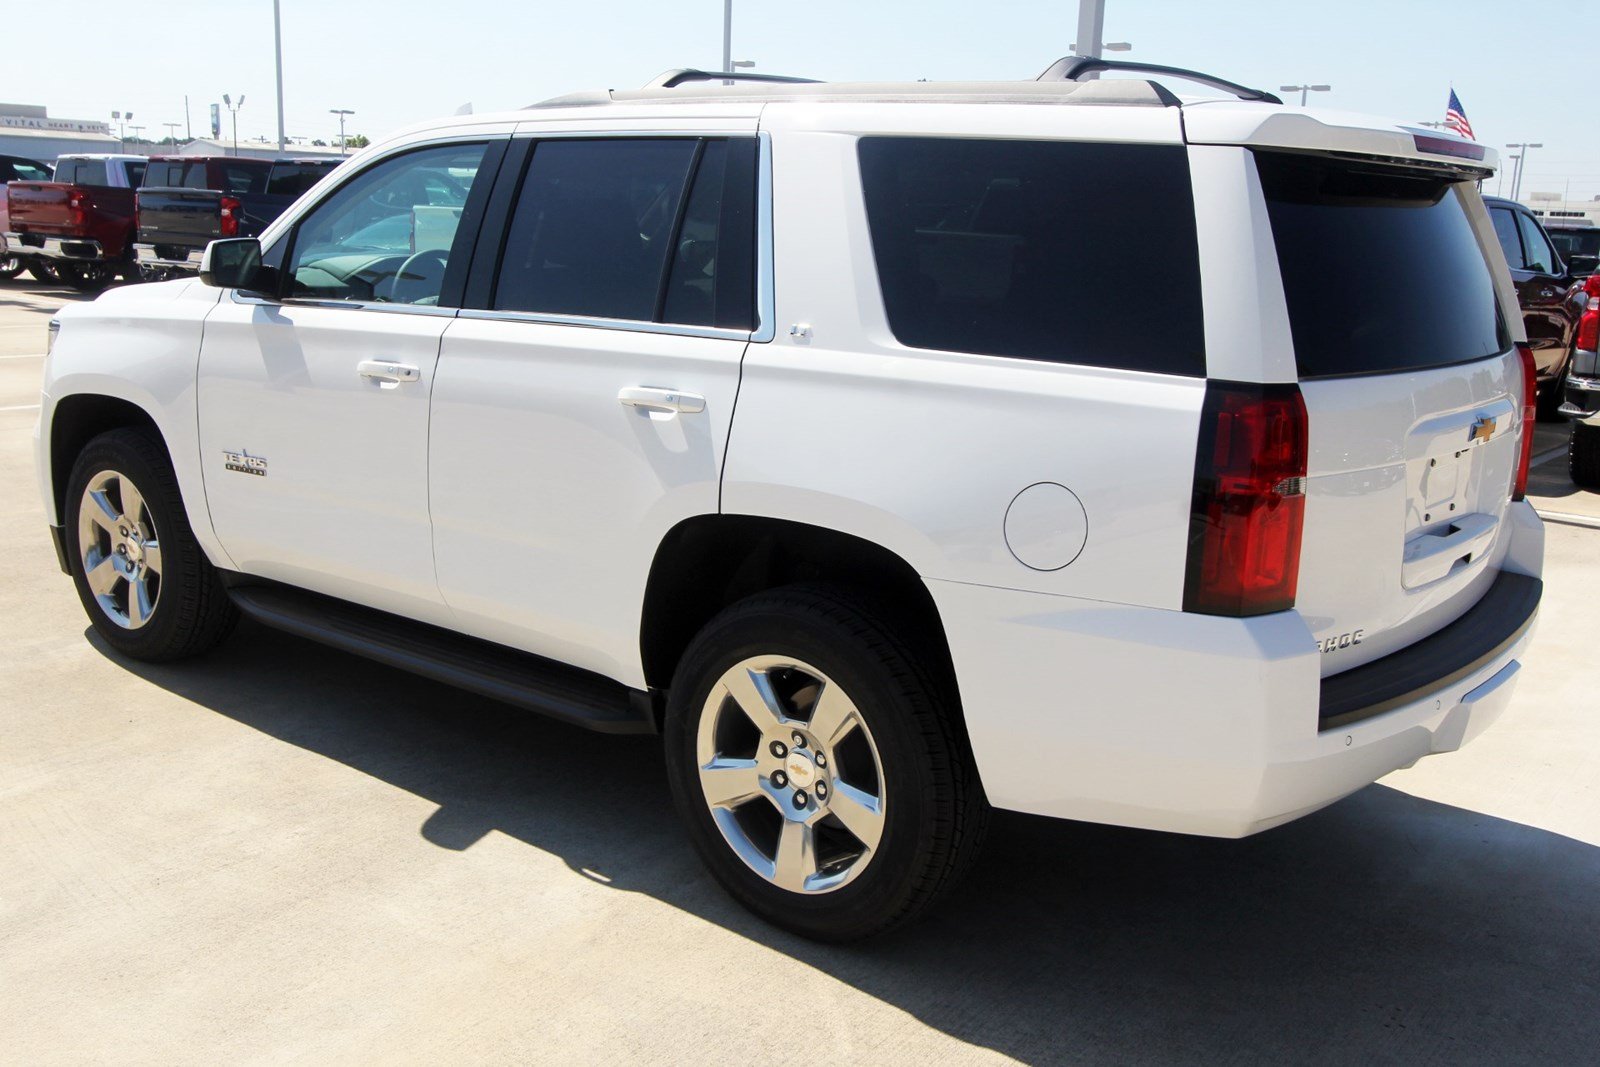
(102, 217)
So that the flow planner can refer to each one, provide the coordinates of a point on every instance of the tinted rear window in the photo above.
(82, 171)
(292, 179)
(1576, 242)
(1380, 266)
(241, 179)
(1047, 250)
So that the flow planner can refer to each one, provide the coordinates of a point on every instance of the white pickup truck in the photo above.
(896, 450)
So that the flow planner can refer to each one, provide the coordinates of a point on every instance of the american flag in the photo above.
(1455, 117)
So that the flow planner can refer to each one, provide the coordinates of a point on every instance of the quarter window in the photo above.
(387, 235)
(642, 229)
(1046, 250)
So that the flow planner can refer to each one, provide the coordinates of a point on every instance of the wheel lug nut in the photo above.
(820, 760)
(123, 530)
(780, 779)
(798, 738)
(800, 798)
(821, 790)
(779, 749)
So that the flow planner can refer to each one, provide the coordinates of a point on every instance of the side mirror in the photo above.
(232, 264)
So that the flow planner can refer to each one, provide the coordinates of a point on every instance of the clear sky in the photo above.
(1525, 69)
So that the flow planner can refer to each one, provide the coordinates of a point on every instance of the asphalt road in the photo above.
(282, 853)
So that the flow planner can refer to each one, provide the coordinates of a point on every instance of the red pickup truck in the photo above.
(81, 225)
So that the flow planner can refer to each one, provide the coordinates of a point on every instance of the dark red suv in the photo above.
(1551, 296)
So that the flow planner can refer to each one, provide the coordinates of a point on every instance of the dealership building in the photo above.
(28, 131)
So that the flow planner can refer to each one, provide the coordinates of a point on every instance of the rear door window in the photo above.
(1505, 230)
(1381, 268)
(611, 229)
(1048, 250)
(292, 179)
(1541, 257)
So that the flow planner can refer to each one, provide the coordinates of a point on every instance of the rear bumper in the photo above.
(149, 256)
(1189, 723)
(1581, 392)
(81, 249)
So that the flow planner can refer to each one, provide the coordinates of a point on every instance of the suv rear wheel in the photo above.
(819, 767)
(147, 587)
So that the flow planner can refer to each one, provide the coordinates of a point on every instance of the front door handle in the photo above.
(386, 372)
(668, 400)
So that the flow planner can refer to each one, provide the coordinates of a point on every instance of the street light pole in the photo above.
(1521, 158)
(1304, 89)
(233, 109)
(341, 112)
(277, 53)
(172, 130)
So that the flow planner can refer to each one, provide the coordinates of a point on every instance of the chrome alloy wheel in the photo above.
(791, 774)
(120, 550)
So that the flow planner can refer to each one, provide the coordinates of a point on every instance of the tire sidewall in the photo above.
(857, 907)
(114, 452)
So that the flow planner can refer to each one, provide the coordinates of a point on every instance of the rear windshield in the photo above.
(292, 179)
(1381, 270)
(241, 179)
(1048, 250)
(1576, 242)
(82, 172)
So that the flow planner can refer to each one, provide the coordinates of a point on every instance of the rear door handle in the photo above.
(669, 400)
(386, 372)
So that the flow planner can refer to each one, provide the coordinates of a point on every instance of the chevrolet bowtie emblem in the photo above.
(1482, 429)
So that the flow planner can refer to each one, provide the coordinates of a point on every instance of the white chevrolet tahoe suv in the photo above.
(895, 450)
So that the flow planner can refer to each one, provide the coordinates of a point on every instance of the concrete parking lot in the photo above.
(280, 852)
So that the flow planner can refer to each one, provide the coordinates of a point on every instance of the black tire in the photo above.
(42, 271)
(1583, 455)
(192, 612)
(10, 267)
(87, 277)
(935, 811)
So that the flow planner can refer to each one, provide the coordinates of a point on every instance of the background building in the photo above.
(27, 131)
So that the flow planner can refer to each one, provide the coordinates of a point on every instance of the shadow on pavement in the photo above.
(1385, 928)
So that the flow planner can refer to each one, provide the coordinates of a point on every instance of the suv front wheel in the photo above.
(146, 585)
(819, 766)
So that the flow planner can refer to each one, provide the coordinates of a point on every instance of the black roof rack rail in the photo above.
(1073, 68)
(674, 78)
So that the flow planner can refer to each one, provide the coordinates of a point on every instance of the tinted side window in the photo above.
(1043, 250)
(1381, 267)
(135, 174)
(386, 235)
(1540, 256)
(24, 171)
(712, 278)
(592, 227)
(1505, 228)
(292, 179)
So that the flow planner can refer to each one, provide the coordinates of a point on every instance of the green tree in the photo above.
(357, 140)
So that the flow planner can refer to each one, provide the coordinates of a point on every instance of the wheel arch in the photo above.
(77, 419)
(708, 562)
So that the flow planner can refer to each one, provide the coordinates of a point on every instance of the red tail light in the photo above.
(230, 216)
(1589, 328)
(1249, 500)
(77, 205)
(1530, 398)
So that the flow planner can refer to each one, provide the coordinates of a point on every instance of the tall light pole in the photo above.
(233, 109)
(277, 54)
(1521, 159)
(172, 130)
(727, 37)
(1304, 89)
(341, 112)
(136, 130)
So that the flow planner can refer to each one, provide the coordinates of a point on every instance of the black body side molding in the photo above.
(519, 678)
(1489, 627)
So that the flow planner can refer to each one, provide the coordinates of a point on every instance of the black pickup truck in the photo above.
(186, 202)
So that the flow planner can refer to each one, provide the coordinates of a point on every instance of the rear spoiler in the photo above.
(1226, 123)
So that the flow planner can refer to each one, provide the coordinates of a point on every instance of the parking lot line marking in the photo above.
(1546, 457)
(1567, 519)
(22, 407)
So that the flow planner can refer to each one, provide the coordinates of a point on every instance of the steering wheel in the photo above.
(419, 277)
